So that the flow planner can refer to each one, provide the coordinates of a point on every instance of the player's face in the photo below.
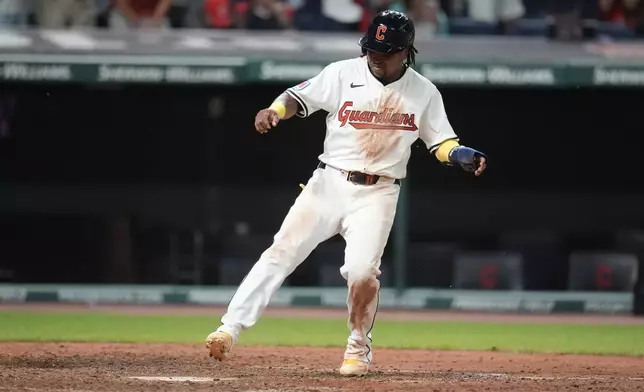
(386, 65)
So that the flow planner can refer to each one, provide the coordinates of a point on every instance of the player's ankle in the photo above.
(230, 330)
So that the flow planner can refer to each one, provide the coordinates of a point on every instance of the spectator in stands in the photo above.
(429, 19)
(612, 11)
(268, 15)
(217, 14)
(177, 12)
(634, 10)
(629, 13)
(13, 13)
(375, 6)
(61, 14)
(453, 8)
(336, 15)
(134, 14)
(496, 12)
(307, 15)
(343, 15)
(535, 9)
(569, 18)
(103, 9)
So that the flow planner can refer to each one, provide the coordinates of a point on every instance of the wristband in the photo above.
(443, 151)
(279, 108)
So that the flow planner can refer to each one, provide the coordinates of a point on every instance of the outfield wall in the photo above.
(504, 301)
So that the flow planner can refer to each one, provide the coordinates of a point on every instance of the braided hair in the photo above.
(411, 56)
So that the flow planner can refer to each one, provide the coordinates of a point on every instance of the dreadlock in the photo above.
(411, 56)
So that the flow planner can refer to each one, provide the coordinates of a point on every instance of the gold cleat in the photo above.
(219, 345)
(353, 367)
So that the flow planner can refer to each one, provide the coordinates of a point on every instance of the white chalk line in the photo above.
(212, 379)
(528, 377)
(469, 374)
(182, 378)
(50, 390)
(293, 390)
(586, 378)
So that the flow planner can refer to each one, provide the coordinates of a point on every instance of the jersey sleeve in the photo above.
(435, 127)
(320, 92)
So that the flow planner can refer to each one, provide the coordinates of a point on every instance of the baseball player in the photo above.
(377, 107)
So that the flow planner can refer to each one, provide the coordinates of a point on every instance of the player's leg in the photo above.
(311, 220)
(365, 229)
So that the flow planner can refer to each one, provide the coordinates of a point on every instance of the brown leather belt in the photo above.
(358, 177)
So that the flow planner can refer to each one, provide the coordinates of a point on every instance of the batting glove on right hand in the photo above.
(469, 159)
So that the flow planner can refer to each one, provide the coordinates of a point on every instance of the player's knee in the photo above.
(359, 273)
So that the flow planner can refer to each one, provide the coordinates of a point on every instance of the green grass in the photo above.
(104, 327)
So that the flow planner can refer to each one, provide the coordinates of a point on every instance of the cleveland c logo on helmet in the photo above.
(380, 33)
(390, 32)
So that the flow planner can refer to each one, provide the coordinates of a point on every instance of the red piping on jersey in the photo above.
(385, 120)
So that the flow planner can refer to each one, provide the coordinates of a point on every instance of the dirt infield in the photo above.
(109, 367)
(81, 367)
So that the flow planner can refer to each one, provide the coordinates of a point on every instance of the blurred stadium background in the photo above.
(128, 155)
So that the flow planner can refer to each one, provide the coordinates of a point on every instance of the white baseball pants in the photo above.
(328, 205)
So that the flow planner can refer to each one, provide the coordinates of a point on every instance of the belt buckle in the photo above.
(368, 179)
(351, 177)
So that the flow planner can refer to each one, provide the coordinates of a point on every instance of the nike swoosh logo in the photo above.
(356, 85)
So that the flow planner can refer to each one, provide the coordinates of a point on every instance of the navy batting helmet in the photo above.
(389, 32)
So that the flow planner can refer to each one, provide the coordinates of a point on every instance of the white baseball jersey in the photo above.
(371, 127)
